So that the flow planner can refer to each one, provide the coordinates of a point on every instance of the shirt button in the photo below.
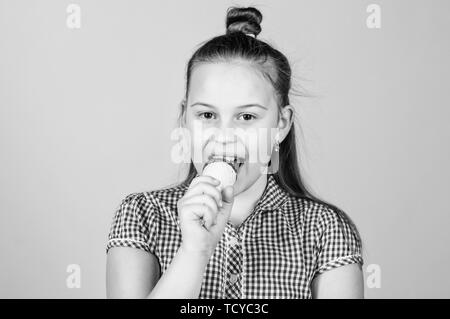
(233, 278)
(232, 241)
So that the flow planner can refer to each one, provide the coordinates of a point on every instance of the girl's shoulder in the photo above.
(318, 215)
(326, 227)
(167, 196)
(304, 207)
(158, 201)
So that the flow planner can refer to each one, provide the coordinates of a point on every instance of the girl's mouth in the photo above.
(233, 161)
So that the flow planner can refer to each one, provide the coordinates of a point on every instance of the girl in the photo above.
(266, 236)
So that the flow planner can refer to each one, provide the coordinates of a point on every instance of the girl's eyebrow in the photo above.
(239, 107)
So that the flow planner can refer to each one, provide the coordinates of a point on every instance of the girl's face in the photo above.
(231, 109)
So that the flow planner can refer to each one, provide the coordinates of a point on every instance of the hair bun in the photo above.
(246, 20)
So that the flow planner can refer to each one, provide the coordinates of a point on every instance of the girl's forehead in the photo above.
(229, 83)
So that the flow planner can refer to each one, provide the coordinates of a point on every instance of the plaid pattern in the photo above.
(275, 253)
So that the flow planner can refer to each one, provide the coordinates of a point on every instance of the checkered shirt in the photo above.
(275, 253)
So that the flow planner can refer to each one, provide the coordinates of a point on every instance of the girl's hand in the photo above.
(202, 218)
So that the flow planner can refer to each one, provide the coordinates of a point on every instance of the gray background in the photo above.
(86, 116)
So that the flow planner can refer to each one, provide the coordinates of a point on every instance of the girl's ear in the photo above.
(285, 121)
(183, 113)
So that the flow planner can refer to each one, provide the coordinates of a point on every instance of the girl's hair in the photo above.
(237, 44)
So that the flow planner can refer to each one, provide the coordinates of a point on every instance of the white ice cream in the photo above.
(221, 171)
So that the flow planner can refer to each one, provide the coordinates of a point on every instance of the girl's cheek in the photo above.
(263, 148)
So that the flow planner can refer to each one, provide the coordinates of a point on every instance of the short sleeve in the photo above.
(134, 224)
(338, 242)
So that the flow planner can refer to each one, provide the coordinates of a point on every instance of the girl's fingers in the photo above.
(204, 188)
(204, 178)
(199, 212)
(202, 200)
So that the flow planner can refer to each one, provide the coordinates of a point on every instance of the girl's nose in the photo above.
(225, 135)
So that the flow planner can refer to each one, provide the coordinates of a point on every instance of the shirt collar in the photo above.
(273, 196)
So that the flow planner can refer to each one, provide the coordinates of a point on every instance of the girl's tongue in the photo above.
(234, 163)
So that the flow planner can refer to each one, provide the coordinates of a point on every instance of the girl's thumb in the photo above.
(228, 195)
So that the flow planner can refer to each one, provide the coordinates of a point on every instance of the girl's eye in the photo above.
(206, 115)
(248, 117)
(209, 115)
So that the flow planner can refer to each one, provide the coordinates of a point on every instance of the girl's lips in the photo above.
(236, 163)
(224, 157)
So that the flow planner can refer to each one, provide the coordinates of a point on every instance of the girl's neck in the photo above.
(245, 201)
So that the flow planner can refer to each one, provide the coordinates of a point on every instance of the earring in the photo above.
(277, 142)
(274, 162)
(277, 145)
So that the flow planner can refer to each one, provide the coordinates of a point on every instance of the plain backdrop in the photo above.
(86, 116)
